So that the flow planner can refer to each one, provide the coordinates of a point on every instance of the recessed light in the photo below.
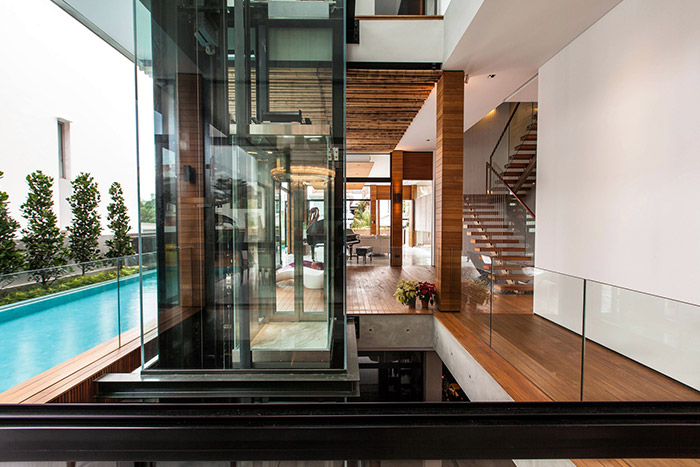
(491, 76)
(428, 139)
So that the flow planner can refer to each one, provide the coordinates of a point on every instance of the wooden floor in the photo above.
(313, 298)
(550, 356)
(370, 289)
(531, 357)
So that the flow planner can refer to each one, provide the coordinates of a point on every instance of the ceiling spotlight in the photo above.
(491, 76)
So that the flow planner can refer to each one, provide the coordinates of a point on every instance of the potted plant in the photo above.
(477, 291)
(426, 293)
(406, 292)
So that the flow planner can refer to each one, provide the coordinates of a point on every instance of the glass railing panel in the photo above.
(133, 289)
(514, 156)
(396, 8)
(537, 325)
(52, 315)
(477, 294)
(640, 346)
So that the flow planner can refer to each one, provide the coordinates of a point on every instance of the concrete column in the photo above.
(432, 377)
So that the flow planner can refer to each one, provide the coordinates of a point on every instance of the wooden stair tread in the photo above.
(516, 258)
(499, 249)
(504, 267)
(526, 147)
(492, 241)
(485, 220)
(511, 277)
(479, 213)
(489, 235)
(529, 137)
(485, 227)
(523, 155)
(514, 287)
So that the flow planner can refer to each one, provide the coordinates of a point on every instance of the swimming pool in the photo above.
(37, 336)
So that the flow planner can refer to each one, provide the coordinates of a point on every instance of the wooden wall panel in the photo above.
(383, 192)
(190, 193)
(373, 212)
(396, 207)
(417, 165)
(448, 189)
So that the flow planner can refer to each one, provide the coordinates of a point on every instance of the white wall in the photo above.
(616, 170)
(54, 67)
(618, 157)
(398, 41)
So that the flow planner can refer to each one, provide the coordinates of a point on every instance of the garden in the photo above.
(40, 259)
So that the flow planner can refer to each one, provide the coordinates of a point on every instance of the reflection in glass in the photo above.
(248, 104)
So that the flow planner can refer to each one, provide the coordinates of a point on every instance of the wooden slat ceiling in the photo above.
(381, 104)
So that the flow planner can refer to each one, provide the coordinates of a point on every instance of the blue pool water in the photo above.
(38, 336)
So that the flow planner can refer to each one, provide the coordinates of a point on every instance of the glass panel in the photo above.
(538, 331)
(401, 7)
(639, 346)
(75, 310)
(536, 315)
(248, 101)
(514, 157)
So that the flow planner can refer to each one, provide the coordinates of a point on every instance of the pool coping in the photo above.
(78, 290)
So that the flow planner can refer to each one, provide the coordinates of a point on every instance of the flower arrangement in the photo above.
(426, 293)
(406, 292)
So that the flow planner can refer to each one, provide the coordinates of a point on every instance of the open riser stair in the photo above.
(497, 224)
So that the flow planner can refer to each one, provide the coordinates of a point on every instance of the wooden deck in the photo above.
(532, 358)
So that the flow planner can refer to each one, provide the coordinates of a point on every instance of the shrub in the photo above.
(84, 232)
(65, 285)
(118, 220)
(10, 256)
(42, 238)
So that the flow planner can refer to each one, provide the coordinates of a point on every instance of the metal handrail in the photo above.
(522, 203)
(505, 128)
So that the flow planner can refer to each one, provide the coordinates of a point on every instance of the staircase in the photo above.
(498, 223)
(521, 166)
(498, 230)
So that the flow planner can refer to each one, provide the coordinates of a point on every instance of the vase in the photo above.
(424, 302)
(411, 303)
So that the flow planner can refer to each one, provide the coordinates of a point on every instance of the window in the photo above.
(63, 146)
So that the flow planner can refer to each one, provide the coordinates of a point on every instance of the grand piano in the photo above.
(316, 235)
(351, 238)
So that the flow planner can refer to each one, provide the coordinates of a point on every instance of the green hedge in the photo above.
(63, 285)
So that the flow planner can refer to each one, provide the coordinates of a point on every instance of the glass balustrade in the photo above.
(579, 339)
(76, 312)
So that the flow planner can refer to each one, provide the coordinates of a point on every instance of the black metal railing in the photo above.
(324, 431)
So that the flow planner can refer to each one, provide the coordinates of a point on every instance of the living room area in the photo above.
(386, 217)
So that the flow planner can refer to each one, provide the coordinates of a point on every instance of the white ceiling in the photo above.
(510, 39)
(526, 93)
(420, 135)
